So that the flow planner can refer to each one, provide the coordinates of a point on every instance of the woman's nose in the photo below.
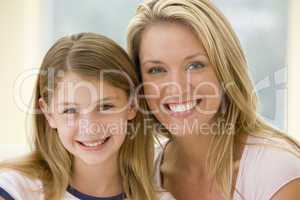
(177, 84)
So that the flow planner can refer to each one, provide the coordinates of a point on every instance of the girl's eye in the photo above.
(156, 70)
(105, 107)
(69, 111)
(195, 66)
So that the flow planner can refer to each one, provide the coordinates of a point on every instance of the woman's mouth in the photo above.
(94, 144)
(182, 108)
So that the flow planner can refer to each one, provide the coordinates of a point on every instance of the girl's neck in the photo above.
(97, 180)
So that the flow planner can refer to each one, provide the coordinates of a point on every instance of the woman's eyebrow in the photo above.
(194, 55)
(152, 61)
(198, 54)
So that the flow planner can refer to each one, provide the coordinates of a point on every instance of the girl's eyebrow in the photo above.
(105, 99)
(67, 103)
(97, 101)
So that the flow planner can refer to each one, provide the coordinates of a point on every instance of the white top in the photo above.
(15, 186)
(265, 168)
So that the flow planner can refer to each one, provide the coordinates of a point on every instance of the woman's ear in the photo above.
(132, 110)
(46, 111)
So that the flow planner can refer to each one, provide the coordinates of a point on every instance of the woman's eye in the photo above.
(69, 111)
(195, 66)
(156, 70)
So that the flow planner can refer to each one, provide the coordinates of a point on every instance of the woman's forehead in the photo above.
(172, 39)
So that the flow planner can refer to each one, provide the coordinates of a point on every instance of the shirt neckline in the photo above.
(83, 196)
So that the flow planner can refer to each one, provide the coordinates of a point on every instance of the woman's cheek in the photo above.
(152, 95)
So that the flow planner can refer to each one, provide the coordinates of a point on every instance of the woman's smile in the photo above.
(182, 109)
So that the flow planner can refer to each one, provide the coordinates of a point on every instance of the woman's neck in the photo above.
(97, 180)
(189, 152)
(186, 156)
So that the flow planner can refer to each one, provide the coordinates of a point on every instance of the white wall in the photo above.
(18, 51)
(294, 70)
(21, 49)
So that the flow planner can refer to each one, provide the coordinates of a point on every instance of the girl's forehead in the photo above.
(74, 87)
(67, 77)
(81, 82)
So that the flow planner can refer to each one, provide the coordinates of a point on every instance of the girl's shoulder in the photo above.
(266, 166)
(15, 185)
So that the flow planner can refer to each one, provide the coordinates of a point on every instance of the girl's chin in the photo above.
(94, 161)
(97, 160)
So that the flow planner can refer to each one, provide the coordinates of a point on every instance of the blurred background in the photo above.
(269, 31)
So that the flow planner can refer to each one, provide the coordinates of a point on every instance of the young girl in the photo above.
(89, 140)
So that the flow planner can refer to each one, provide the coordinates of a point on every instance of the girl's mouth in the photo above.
(94, 144)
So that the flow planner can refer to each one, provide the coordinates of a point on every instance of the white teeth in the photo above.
(93, 144)
(182, 107)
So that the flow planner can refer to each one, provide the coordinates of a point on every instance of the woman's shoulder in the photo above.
(264, 151)
(15, 185)
(266, 166)
(159, 150)
(158, 155)
(159, 147)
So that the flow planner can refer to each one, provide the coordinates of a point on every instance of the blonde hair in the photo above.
(224, 51)
(50, 162)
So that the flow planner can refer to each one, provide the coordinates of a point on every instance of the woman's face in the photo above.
(180, 84)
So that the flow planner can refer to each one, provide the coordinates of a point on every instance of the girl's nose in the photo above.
(88, 125)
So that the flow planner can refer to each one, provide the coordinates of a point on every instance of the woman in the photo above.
(197, 86)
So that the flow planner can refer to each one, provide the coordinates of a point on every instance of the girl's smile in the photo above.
(94, 145)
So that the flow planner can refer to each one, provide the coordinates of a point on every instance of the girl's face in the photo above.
(90, 117)
(180, 85)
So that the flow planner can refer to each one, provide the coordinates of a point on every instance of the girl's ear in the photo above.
(46, 111)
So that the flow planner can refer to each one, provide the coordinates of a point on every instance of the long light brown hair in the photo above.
(224, 51)
(49, 162)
